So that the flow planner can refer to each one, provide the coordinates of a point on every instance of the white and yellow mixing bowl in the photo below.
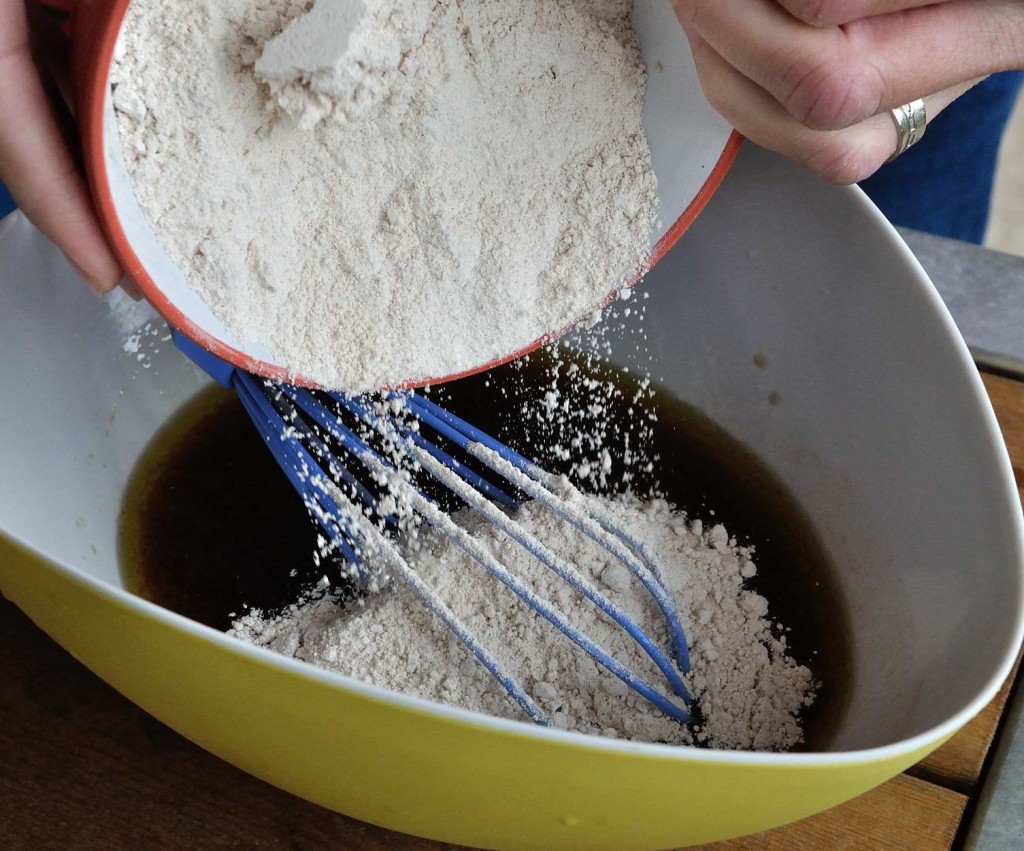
(881, 428)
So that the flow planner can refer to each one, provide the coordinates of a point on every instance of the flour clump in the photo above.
(341, 57)
(476, 177)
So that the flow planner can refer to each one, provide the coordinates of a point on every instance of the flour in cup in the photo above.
(496, 187)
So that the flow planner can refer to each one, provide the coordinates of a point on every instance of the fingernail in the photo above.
(96, 286)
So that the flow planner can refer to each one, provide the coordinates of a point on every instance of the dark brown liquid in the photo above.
(211, 527)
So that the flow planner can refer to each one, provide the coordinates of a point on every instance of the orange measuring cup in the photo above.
(691, 147)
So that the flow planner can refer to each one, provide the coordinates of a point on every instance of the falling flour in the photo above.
(748, 689)
(461, 180)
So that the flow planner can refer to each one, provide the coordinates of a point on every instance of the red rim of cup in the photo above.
(95, 29)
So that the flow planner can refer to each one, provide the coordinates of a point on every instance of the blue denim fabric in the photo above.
(6, 201)
(943, 185)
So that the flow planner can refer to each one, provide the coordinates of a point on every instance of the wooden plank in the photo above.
(81, 767)
(1007, 398)
(903, 813)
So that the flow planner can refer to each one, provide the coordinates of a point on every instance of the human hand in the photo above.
(35, 163)
(815, 80)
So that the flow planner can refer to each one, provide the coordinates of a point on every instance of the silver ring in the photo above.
(911, 122)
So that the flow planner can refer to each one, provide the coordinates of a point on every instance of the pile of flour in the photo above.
(493, 185)
(341, 57)
(747, 688)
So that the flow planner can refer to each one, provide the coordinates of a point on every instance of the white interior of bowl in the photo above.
(868, 406)
(881, 427)
(683, 155)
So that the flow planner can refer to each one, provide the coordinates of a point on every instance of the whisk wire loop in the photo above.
(426, 595)
(348, 531)
(483, 557)
(289, 455)
(539, 485)
(569, 574)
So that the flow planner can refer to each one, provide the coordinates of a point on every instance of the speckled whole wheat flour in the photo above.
(748, 688)
(499, 190)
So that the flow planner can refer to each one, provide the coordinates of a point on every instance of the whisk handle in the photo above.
(219, 370)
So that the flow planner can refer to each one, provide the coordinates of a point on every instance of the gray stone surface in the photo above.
(998, 823)
(984, 291)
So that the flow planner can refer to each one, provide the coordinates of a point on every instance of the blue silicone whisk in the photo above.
(321, 439)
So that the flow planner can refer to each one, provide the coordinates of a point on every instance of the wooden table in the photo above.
(81, 767)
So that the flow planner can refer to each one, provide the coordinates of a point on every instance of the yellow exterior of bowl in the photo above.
(410, 769)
